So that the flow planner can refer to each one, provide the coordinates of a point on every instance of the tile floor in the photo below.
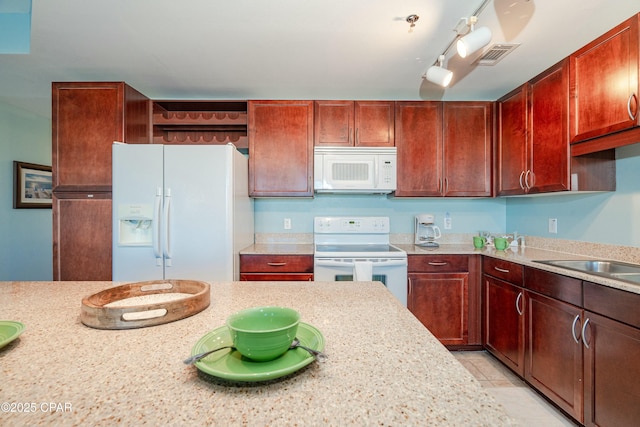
(519, 400)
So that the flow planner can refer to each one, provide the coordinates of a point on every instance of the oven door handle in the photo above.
(334, 263)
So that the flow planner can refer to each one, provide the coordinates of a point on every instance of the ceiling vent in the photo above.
(495, 53)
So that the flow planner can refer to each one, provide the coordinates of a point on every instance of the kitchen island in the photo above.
(384, 367)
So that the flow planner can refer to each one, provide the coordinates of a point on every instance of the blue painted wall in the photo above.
(25, 234)
(611, 217)
(468, 215)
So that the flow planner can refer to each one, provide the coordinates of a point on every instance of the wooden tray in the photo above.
(96, 315)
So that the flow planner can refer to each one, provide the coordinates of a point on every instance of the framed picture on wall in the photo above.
(32, 186)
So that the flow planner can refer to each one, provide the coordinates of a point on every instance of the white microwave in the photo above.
(364, 170)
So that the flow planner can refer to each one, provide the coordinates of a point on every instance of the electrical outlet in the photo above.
(287, 223)
(553, 225)
(447, 221)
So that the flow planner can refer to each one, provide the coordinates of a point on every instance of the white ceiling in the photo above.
(292, 49)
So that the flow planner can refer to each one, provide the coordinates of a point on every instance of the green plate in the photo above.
(231, 365)
(9, 331)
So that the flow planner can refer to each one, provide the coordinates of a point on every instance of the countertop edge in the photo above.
(522, 255)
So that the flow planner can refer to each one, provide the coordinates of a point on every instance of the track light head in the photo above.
(474, 40)
(438, 74)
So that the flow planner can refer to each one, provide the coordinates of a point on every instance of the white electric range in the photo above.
(358, 249)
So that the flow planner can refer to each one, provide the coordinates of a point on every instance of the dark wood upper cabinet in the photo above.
(333, 124)
(468, 148)
(86, 119)
(604, 83)
(374, 123)
(444, 148)
(511, 146)
(419, 147)
(354, 123)
(532, 150)
(548, 136)
(281, 148)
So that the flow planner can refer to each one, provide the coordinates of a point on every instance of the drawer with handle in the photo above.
(505, 270)
(438, 263)
(276, 263)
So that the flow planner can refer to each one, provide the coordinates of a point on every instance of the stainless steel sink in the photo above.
(611, 269)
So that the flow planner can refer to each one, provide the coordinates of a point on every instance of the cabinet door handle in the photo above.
(446, 186)
(573, 329)
(501, 270)
(520, 179)
(584, 337)
(526, 179)
(518, 309)
(276, 264)
(438, 264)
(631, 115)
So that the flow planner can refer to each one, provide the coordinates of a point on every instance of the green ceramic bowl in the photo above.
(263, 333)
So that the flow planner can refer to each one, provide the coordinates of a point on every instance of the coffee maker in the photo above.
(426, 232)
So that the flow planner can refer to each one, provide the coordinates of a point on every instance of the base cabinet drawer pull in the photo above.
(439, 264)
(276, 264)
(501, 270)
(584, 335)
(573, 329)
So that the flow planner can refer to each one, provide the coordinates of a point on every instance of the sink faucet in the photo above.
(517, 237)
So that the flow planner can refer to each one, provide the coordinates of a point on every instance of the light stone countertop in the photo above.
(279, 249)
(541, 250)
(529, 255)
(384, 367)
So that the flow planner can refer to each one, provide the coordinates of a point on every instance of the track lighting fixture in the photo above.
(438, 74)
(476, 38)
(472, 41)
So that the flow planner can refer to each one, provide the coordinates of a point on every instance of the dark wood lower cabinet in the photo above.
(504, 306)
(444, 294)
(440, 302)
(276, 267)
(553, 360)
(612, 372)
(580, 344)
(82, 236)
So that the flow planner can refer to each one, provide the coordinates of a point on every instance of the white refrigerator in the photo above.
(179, 212)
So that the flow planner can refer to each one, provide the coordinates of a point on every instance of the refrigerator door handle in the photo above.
(157, 212)
(167, 227)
